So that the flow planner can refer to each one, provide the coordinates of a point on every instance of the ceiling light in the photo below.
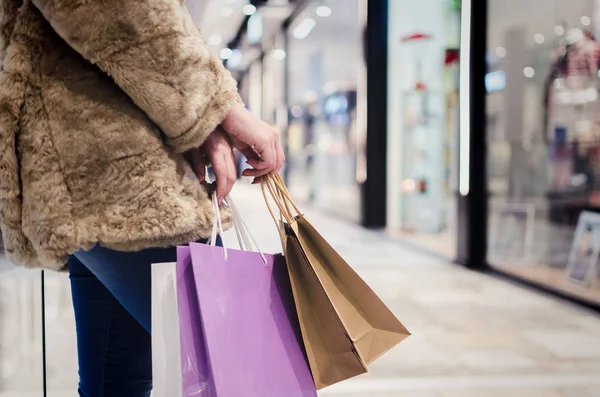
(226, 11)
(249, 9)
(279, 54)
(323, 11)
(215, 39)
(226, 53)
(559, 30)
(304, 28)
(586, 21)
(501, 52)
(529, 72)
(539, 38)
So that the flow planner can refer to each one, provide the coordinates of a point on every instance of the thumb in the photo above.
(201, 173)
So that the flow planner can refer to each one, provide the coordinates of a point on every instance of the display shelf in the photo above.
(422, 152)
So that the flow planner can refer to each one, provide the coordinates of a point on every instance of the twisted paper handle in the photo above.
(280, 195)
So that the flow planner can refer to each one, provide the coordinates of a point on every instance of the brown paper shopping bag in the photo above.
(332, 300)
(331, 354)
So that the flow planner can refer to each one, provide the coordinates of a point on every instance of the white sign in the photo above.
(583, 259)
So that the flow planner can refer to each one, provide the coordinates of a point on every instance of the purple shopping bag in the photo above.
(246, 339)
(196, 379)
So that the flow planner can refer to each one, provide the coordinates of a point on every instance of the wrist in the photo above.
(234, 119)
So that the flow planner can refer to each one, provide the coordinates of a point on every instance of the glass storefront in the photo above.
(423, 122)
(325, 57)
(543, 143)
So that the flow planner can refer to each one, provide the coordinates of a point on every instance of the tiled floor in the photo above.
(473, 335)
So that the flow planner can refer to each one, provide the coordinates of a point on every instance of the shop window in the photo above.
(543, 134)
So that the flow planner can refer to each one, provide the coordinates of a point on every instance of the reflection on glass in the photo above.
(543, 132)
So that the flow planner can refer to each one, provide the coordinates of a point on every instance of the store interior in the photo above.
(543, 134)
(423, 122)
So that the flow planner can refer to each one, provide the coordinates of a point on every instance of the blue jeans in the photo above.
(112, 301)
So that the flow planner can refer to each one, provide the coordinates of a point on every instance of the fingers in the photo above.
(220, 153)
(219, 166)
(251, 156)
(259, 143)
(261, 167)
(196, 160)
(267, 158)
(225, 173)
(231, 173)
(271, 158)
(201, 174)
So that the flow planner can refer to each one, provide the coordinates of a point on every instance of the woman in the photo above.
(107, 107)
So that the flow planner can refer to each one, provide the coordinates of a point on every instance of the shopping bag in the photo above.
(179, 363)
(195, 376)
(249, 325)
(332, 301)
(166, 358)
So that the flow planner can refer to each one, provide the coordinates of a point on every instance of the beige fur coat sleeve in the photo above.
(155, 53)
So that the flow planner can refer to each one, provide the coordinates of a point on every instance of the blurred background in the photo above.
(449, 149)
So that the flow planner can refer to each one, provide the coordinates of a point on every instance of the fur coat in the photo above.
(99, 99)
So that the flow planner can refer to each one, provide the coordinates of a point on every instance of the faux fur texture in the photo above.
(98, 99)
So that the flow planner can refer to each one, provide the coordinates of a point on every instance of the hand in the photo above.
(256, 140)
(218, 149)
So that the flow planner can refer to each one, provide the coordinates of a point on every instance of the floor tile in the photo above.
(567, 344)
(502, 393)
(476, 338)
(481, 360)
(581, 392)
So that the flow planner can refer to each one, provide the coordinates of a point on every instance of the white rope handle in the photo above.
(217, 214)
(245, 238)
(217, 225)
(239, 223)
(239, 233)
(248, 239)
(242, 232)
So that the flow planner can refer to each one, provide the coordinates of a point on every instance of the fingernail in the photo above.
(220, 200)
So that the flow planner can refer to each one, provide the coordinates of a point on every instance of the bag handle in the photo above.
(286, 195)
(280, 195)
(266, 185)
(244, 231)
(241, 230)
(245, 239)
(217, 224)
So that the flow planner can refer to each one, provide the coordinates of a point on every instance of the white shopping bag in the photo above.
(166, 348)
